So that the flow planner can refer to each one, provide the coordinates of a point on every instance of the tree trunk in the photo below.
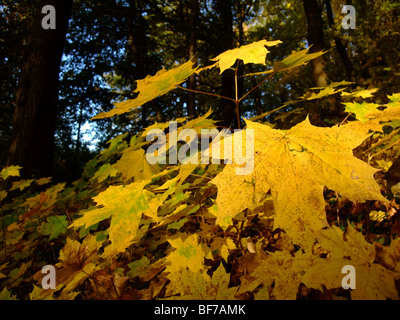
(137, 47)
(339, 45)
(315, 38)
(223, 10)
(32, 138)
(191, 103)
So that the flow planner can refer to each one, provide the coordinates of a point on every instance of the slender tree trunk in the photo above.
(137, 41)
(191, 102)
(339, 45)
(223, 10)
(315, 38)
(32, 138)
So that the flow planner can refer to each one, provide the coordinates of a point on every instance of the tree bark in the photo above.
(32, 137)
(315, 38)
(223, 9)
(192, 37)
(339, 45)
(137, 47)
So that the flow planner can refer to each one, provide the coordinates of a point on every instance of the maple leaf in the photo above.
(200, 286)
(133, 164)
(76, 263)
(373, 281)
(360, 93)
(104, 172)
(360, 109)
(251, 53)
(279, 272)
(151, 87)
(391, 112)
(223, 246)
(43, 181)
(6, 295)
(296, 165)
(188, 254)
(43, 202)
(15, 275)
(21, 185)
(139, 267)
(10, 171)
(54, 226)
(325, 92)
(125, 205)
(296, 59)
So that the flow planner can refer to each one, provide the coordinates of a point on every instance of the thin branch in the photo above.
(385, 149)
(247, 93)
(207, 93)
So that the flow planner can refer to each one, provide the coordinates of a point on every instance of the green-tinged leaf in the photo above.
(21, 185)
(138, 267)
(360, 109)
(125, 206)
(324, 92)
(105, 171)
(6, 295)
(43, 181)
(10, 171)
(187, 254)
(296, 59)
(54, 226)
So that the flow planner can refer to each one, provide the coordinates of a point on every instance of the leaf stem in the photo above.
(237, 101)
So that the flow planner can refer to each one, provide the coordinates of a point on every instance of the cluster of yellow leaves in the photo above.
(291, 167)
(280, 273)
(164, 81)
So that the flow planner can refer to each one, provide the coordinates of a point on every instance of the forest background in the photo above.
(111, 44)
(116, 227)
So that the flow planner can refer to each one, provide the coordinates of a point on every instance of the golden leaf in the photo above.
(251, 53)
(296, 165)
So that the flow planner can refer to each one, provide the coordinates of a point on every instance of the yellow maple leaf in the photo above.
(133, 164)
(188, 254)
(10, 171)
(200, 286)
(251, 53)
(392, 111)
(151, 87)
(125, 205)
(372, 280)
(296, 165)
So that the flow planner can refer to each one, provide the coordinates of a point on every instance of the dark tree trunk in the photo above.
(223, 10)
(137, 49)
(315, 38)
(32, 138)
(339, 45)
(191, 103)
